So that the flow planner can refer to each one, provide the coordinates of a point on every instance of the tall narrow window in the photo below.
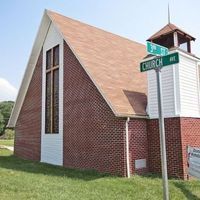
(52, 91)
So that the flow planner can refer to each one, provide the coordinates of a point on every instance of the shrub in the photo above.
(9, 134)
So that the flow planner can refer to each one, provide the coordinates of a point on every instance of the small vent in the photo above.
(141, 163)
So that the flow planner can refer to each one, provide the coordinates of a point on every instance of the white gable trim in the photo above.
(37, 46)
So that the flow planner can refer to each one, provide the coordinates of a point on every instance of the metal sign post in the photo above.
(162, 135)
(157, 63)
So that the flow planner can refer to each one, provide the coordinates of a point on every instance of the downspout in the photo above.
(127, 149)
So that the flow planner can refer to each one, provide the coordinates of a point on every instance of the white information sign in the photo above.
(194, 162)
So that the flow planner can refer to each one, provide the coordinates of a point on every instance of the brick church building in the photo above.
(83, 103)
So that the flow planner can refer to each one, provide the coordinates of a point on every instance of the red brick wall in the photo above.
(28, 127)
(173, 146)
(93, 137)
(180, 132)
(138, 144)
(190, 132)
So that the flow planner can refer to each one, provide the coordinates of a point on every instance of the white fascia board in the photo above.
(37, 46)
(132, 116)
(198, 80)
(185, 55)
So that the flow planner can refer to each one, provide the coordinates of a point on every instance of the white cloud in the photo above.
(7, 90)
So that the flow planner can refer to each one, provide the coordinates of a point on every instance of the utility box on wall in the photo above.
(140, 164)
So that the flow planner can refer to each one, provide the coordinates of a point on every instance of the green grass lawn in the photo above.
(7, 142)
(20, 179)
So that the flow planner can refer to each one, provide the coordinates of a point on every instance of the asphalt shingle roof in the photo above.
(111, 61)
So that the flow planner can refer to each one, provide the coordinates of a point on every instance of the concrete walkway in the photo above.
(7, 147)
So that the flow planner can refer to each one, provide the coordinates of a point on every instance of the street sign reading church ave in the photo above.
(159, 62)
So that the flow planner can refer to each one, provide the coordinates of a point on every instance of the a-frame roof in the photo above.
(111, 61)
(169, 28)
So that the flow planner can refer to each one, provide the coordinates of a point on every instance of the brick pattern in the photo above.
(93, 137)
(190, 135)
(28, 126)
(173, 147)
(138, 144)
(180, 132)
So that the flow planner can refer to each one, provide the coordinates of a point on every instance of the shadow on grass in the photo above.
(180, 184)
(158, 176)
(14, 163)
(188, 194)
(151, 176)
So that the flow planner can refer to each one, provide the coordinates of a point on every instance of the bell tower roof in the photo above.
(169, 28)
(172, 36)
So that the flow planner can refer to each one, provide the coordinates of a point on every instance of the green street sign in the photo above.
(156, 49)
(159, 62)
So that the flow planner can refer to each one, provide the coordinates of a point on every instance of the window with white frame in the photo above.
(52, 91)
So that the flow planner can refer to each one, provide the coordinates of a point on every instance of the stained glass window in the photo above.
(48, 59)
(52, 91)
(55, 100)
(48, 103)
(56, 56)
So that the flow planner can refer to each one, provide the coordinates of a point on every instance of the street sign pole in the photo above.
(162, 135)
(164, 59)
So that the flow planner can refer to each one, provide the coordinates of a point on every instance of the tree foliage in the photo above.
(5, 111)
(1, 123)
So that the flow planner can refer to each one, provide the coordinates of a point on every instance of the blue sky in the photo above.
(134, 19)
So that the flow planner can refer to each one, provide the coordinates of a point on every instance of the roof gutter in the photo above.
(133, 116)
